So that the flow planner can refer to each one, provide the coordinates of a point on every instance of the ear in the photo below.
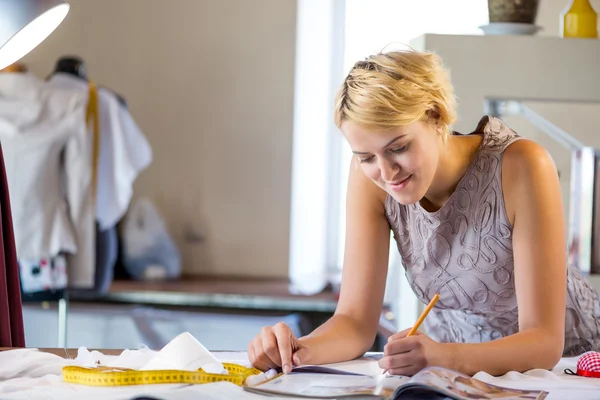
(433, 116)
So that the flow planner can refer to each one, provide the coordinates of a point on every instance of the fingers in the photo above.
(263, 358)
(269, 345)
(401, 345)
(301, 354)
(403, 364)
(272, 348)
(253, 357)
(402, 334)
(263, 362)
(403, 356)
(406, 371)
(284, 337)
(399, 335)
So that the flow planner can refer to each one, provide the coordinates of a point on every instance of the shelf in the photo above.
(213, 292)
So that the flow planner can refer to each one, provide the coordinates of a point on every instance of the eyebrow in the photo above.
(391, 142)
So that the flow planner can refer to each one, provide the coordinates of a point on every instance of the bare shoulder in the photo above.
(525, 165)
(525, 159)
(363, 192)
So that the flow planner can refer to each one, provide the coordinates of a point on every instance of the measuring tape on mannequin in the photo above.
(108, 376)
(92, 117)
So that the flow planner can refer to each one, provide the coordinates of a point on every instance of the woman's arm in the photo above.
(533, 203)
(350, 332)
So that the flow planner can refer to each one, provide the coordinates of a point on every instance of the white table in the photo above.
(29, 374)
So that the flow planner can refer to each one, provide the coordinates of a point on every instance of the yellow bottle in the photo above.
(580, 20)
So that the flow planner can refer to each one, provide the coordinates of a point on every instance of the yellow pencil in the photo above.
(416, 326)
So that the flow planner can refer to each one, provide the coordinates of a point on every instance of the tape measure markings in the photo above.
(107, 376)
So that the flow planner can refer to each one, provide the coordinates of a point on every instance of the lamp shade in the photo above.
(26, 23)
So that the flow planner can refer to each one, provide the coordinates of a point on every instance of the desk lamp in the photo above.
(24, 24)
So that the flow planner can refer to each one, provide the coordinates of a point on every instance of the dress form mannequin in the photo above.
(106, 239)
(75, 66)
(71, 65)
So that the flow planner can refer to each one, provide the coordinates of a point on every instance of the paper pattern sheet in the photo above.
(366, 365)
(427, 383)
(329, 386)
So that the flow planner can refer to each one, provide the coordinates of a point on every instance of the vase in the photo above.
(579, 20)
(520, 11)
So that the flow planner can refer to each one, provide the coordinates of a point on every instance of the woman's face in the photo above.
(402, 161)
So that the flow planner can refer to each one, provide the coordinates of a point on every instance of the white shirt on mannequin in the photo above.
(124, 152)
(36, 126)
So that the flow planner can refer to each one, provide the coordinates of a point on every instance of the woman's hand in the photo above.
(276, 346)
(404, 355)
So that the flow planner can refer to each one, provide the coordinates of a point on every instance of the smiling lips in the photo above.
(399, 185)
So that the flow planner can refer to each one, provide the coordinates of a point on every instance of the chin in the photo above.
(405, 199)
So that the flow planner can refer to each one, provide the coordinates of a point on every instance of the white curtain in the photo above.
(331, 36)
(316, 151)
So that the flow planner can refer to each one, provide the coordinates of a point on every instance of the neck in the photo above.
(455, 158)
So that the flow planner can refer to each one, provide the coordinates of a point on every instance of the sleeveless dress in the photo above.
(463, 251)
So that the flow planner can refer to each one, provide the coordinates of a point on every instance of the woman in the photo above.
(477, 218)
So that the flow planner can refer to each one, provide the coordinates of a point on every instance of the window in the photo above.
(372, 26)
(331, 36)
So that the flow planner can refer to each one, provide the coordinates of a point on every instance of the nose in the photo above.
(388, 169)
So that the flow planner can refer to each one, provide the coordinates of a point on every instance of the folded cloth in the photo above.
(29, 363)
(133, 359)
(559, 384)
(30, 374)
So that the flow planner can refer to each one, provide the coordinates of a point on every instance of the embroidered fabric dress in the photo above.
(464, 252)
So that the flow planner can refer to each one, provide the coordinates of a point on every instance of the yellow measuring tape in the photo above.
(108, 376)
(92, 116)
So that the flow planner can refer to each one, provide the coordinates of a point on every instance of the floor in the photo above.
(116, 326)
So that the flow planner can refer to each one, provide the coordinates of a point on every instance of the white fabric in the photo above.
(31, 374)
(124, 152)
(36, 124)
(44, 274)
(82, 263)
(40, 122)
(185, 353)
(559, 385)
(28, 374)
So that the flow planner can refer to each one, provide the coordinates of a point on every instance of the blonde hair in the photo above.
(397, 88)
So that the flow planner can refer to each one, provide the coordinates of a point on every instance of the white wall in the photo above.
(211, 85)
(579, 119)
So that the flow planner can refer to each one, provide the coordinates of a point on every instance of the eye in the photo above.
(367, 160)
(400, 150)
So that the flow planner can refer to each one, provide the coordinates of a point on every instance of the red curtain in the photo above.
(11, 313)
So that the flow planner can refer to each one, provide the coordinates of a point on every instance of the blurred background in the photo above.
(219, 194)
